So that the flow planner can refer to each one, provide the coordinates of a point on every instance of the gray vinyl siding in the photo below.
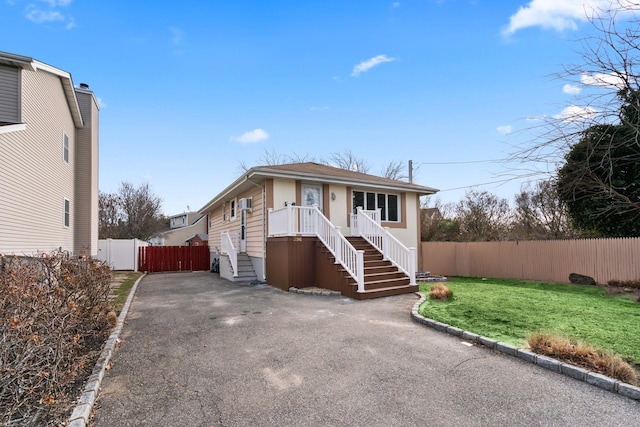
(34, 179)
(9, 94)
(86, 177)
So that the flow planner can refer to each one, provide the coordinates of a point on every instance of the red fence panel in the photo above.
(173, 258)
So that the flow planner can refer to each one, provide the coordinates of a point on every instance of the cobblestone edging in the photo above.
(80, 415)
(599, 380)
(315, 291)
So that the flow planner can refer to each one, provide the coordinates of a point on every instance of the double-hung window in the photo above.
(388, 204)
(67, 212)
(65, 147)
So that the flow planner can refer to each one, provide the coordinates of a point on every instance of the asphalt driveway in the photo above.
(200, 351)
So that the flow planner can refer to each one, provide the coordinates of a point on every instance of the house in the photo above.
(198, 240)
(49, 161)
(183, 228)
(308, 224)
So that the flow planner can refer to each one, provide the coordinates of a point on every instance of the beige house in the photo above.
(183, 228)
(295, 224)
(49, 161)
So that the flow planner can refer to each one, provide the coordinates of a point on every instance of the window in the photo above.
(232, 209)
(387, 203)
(67, 212)
(65, 147)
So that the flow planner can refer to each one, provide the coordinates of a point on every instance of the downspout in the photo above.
(264, 238)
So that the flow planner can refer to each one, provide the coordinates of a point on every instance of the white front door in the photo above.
(243, 230)
(311, 195)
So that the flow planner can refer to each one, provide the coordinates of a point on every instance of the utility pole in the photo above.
(411, 171)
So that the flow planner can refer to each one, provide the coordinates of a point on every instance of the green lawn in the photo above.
(510, 310)
(121, 292)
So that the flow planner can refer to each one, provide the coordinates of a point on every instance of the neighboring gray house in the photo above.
(49, 160)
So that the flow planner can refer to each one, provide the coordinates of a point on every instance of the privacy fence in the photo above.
(546, 260)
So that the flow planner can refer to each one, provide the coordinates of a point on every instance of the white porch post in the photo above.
(289, 220)
(385, 243)
(338, 246)
(360, 268)
(412, 266)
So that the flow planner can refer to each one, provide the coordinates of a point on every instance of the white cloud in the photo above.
(395, 4)
(571, 89)
(251, 137)
(602, 79)
(101, 103)
(370, 63)
(177, 36)
(558, 15)
(39, 16)
(504, 130)
(575, 113)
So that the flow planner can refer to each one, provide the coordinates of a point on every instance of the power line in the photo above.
(501, 181)
(464, 163)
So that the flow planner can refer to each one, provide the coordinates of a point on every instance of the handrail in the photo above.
(391, 248)
(309, 220)
(226, 244)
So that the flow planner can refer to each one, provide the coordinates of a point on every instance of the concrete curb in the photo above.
(325, 293)
(593, 378)
(80, 415)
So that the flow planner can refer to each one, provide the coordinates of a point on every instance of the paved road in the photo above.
(201, 351)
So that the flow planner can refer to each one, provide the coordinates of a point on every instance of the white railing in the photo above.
(374, 215)
(228, 247)
(309, 221)
(391, 248)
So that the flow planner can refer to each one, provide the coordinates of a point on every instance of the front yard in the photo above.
(511, 310)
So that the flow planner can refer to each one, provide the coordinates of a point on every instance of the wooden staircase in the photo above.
(381, 277)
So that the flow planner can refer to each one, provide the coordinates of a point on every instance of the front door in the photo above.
(243, 230)
(311, 195)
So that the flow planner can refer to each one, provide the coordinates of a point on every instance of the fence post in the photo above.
(385, 243)
(289, 220)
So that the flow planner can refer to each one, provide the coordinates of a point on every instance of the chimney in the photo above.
(84, 86)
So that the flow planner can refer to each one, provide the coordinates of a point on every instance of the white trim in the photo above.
(13, 128)
(233, 209)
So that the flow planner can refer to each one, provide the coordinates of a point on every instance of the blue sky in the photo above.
(190, 89)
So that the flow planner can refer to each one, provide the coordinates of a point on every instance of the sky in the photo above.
(190, 90)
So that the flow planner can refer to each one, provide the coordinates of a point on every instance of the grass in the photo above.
(121, 292)
(511, 310)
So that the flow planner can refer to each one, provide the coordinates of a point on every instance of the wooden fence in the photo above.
(173, 258)
(545, 260)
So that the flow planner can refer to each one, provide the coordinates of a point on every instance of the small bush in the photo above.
(54, 318)
(440, 292)
(634, 284)
(587, 356)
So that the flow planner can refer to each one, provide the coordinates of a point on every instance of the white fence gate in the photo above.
(120, 254)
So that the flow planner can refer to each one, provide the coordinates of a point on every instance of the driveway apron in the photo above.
(200, 351)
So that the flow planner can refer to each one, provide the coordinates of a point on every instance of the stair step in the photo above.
(385, 292)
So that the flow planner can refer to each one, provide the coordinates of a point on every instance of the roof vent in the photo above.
(84, 86)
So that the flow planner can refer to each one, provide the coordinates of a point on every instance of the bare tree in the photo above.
(109, 216)
(483, 217)
(395, 170)
(540, 214)
(346, 159)
(131, 213)
(595, 145)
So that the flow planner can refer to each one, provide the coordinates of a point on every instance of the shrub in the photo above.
(624, 283)
(440, 292)
(583, 355)
(54, 317)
